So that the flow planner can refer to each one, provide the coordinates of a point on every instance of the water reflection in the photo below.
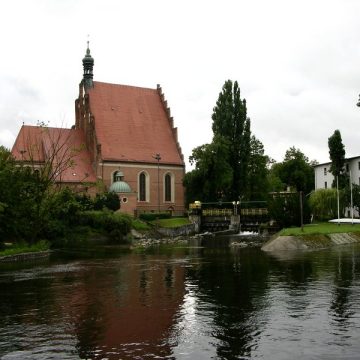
(190, 303)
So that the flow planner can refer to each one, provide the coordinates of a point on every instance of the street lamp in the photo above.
(236, 204)
(158, 158)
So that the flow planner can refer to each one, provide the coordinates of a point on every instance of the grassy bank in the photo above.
(171, 223)
(14, 249)
(320, 229)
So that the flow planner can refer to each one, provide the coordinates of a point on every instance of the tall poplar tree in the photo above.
(230, 122)
(337, 157)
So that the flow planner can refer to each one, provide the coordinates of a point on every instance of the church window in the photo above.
(142, 187)
(169, 188)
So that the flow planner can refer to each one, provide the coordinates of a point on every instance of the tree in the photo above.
(355, 196)
(323, 203)
(211, 178)
(337, 157)
(257, 171)
(230, 122)
(295, 171)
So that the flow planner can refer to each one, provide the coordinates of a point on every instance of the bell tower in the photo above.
(88, 64)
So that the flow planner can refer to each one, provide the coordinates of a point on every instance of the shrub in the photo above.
(109, 200)
(154, 216)
(115, 225)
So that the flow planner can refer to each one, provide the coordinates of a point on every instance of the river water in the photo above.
(183, 303)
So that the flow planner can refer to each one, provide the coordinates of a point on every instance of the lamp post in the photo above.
(158, 158)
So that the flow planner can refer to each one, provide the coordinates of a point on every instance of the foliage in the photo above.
(230, 122)
(108, 200)
(154, 216)
(285, 209)
(258, 184)
(20, 248)
(337, 157)
(222, 167)
(323, 203)
(295, 171)
(355, 196)
(32, 207)
(211, 178)
(116, 225)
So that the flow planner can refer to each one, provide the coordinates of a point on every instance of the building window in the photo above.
(325, 171)
(359, 165)
(142, 187)
(167, 187)
(347, 167)
(325, 184)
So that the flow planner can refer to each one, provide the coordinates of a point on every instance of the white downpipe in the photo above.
(338, 202)
(351, 200)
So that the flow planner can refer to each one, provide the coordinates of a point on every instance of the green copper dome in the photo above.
(120, 187)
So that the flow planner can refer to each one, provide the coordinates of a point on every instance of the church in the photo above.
(125, 141)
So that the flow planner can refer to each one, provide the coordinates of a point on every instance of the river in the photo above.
(182, 303)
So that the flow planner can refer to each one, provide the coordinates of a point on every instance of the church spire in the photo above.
(88, 64)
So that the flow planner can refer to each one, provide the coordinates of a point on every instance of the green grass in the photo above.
(171, 223)
(24, 248)
(139, 225)
(321, 229)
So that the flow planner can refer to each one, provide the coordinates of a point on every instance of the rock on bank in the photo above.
(308, 242)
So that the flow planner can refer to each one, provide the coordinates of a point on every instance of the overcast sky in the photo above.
(297, 64)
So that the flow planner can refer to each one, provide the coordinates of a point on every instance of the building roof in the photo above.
(120, 187)
(329, 162)
(133, 124)
(36, 145)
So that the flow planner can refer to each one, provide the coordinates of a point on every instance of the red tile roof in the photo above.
(35, 144)
(132, 124)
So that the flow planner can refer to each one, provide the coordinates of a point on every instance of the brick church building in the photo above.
(125, 140)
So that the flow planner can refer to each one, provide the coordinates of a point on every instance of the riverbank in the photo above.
(25, 256)
(308, 242)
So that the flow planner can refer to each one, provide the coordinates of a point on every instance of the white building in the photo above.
(324, 178)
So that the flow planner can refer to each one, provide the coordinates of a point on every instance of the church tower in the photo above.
(88, 64)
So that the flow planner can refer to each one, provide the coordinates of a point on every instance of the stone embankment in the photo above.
(308, 242)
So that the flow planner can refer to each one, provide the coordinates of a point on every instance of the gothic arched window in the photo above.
(168, 187)
(142, 187)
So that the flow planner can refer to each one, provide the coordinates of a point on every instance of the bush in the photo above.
(154, 216)
(115, 225)
(109, 200)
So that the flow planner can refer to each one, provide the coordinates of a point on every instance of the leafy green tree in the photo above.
(108, 200)
(230, 122)
(337, 157)
(285, 209)
(257, 171)
(221, 167)
(295, 171)
(323, 203)
(18, 189)
(211, 178)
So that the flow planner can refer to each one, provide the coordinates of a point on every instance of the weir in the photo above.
(234, 216)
